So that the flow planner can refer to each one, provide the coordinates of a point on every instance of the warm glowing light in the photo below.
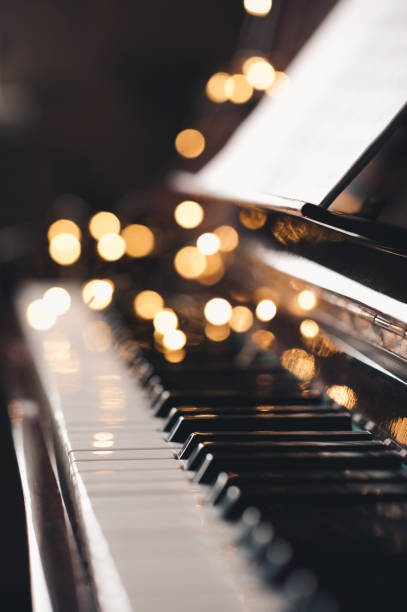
(342, 395)
(111, 247)
(214, 270)
(174, 340)
(252, 218)
(309, 328)
(266, 310)
(307, 300)
(104, 223)
(260, 74)
(238, 89)
(63, 226)
(299, 362)
(97, 293)
(190, 143)
(102, 443)
(147, 304)
(218, 311)
(103, 435)
(228, 238)
(262, 339)
(189, 262)
(242, 319)
(217, 333)
(175, 356)
(39, 315)
(165, 320)
(57, 299)
(259, 8)
(215, 87)
(208, 243)
(189, 214)
(139, 240)
(280, 84)
(64, 249)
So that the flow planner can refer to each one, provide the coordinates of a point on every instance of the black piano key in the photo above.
(163, 400)
(278, 436)
(213, 465)
(246, 448)
(259, 422)
(175, 413)
(249, 479)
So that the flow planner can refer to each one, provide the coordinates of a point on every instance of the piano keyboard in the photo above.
(193, 486)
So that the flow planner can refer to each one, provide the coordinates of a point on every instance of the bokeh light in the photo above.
(242, 319)
(299, 362)
(175, 356)
(214, 270)
(39, 315)
(218, 311)
(216, 87)
(342, 395)
(104, 223)
(65, 249)
(189, 262)
(260, 74)
(252, 218)
(97, 293)
(258, 8)
(165, 320)
(266, 310)
(147, 304)
(263, 339)
(58, 300)
(189, 214)
(309, 328)
(190, 143)
(208, 243)
(307, 300)
(63, 226)
(139, 240)
(217, 333)
(174, 340)
(111, 247)
(238, 89)
(228, 237)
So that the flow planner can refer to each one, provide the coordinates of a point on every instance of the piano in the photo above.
(225, 426)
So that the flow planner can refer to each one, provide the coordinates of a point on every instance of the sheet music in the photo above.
(345, 87)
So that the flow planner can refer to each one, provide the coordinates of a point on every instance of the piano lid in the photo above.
(346, 88)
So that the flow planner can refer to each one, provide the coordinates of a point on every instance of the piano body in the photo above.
(246, 453)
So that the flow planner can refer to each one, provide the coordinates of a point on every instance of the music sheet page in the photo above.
(345, 86)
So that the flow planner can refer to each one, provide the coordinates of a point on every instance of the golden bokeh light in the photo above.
(342, 395)
(266, 310)
(214, 270)
(97, 293)
(190, 143)
(189, 214)
(280, 84)
(58, 300)
(39, 315)
(299, 362)
(147, 304)
(175, 356)
(258, 8)
(165, 320)
(63, 226)
(189, 262)
(218, 311)
(111, 247)
(228, 238)
(216, 87)
(242, 319)
(217, 333)
(309, 328)
(103, 223)
(139, 240)
(65, 249)
(252, 218)
(238, 89)
(260, 74)
(174, 340)
(307, 300)
(208, 243)
(263, 339)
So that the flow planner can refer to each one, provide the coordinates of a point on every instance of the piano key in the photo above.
(246, 448)
(274, 422)
(281, 436)
(211, 466)
(163, 400)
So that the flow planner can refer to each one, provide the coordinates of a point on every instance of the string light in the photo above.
(58, 300)
(189, 262)
(138, 239)
(111, 247)
(258, 8)
(98, 293)
(39, 315)
(104, 223)
(147, 304)
(174, 340)
(252, 218)
(242, 319)
(266, 310)
(309, 328)
(216, 87)
(261, 74)
(238, 89)
(218, 311)
(307, 300)
(208, 243)
(190, 143)
(228, 237)
(217, 333)
(63, 226)
(165, 320)
(189, 214)
(64, 249)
